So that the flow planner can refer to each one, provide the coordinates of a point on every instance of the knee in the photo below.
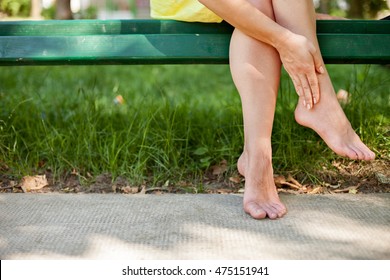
(261, 4)
(265, 6)
(250, 71)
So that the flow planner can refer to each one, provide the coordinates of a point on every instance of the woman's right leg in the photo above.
(255, 68)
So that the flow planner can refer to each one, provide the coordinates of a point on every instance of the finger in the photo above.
(297, 87)
(320, 68)
(319, 65)
(314, 87)
(307, 96)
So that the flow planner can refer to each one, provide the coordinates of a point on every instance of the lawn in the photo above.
(178, 129)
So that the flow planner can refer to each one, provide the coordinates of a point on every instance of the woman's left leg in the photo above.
(326, 117)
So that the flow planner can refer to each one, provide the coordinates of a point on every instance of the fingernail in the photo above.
(314, 100)
(308, 106)
(322, 70)
(304, 102)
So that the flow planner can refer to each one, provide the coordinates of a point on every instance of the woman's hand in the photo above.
(303, 63)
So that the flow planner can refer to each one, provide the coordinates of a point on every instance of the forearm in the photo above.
(244, 16)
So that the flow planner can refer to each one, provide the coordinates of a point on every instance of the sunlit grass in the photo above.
(175, 122)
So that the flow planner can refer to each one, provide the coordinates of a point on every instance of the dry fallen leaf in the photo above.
(352, 190)
(295, 182)
(316, 190)
(280, 180)
(281, 190)
(224, 191)
(143, 189)
(128, 189)
(235, 180)
(31, 183)
(13, 183)
(219, 168)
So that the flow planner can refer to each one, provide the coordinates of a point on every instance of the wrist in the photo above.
(281, 39)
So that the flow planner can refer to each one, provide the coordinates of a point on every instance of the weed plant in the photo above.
(175, 121)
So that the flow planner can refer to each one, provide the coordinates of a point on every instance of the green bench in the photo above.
(94, 42)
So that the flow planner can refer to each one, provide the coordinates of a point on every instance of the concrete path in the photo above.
(114, 226)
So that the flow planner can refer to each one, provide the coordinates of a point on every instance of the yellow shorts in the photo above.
(184, 10)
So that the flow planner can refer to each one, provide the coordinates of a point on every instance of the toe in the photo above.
(351, 153)
(360, 155)
(253, 209)
(368, 154)
(272, 213)
(280, 210)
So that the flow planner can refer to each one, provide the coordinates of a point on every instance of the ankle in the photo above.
(262, 151)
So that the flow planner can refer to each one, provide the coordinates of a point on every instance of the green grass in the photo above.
(175, 123)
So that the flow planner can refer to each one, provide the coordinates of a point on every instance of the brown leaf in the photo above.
(353, 190)
(281, 190)
(224, 191)
(30, 183)
(128, 189)
(219, 168)
(292, 180)
(235, 180)
(143, 189)
(316, 190)
(279, 180)
(292, 186)
(13, 183)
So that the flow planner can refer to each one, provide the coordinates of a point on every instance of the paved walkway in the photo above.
(114, 226)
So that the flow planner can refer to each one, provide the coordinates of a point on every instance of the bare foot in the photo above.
(329, 121)
(261, 199)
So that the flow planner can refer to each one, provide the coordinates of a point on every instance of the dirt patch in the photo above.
(344, 177)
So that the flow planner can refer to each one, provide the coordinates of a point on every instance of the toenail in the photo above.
(272, 216)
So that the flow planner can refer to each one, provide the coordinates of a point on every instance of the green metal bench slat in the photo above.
(165, 49)
(126, 49)
(353, 26)
(168, 42)
(106, 27)
(355, 48)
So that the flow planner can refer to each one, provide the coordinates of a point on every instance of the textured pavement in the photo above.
(144, 227)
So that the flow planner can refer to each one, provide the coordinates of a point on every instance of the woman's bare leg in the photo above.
(255, 68)
(327, 117)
